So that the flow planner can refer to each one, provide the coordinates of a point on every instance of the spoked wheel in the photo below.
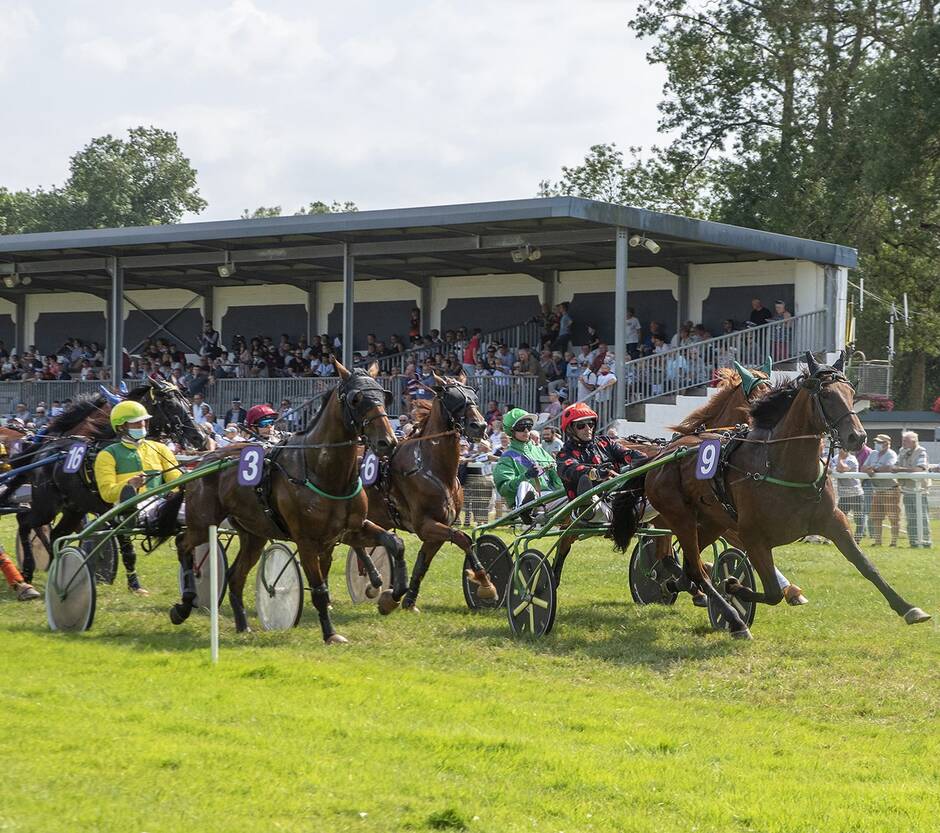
(279, 589)
(201, 573)
(531, 601)
(732, 563)
(105, 561)
(496, 560)
(649, 576)
(357, 577)
(40, 554)
(70, 592)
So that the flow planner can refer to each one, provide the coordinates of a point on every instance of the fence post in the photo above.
(214, 593)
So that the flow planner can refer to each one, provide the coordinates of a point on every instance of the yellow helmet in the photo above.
(127, 411)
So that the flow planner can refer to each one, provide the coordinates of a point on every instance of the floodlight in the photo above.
(518, 255)
(651, 245)
(227, 269)
(26, 280)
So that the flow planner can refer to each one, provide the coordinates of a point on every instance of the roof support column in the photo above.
(549, 288)
(20, 325)
(313, 311)
(116, 322)
(620, 321)
(349, 301)
(208, 307)
(425, 306)
(682, 280)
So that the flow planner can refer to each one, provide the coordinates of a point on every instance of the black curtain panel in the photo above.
(187, 325)
(734, 302)
(54, 328)
(597, 308)
(380, 317)
(270, 320)
(489, 313)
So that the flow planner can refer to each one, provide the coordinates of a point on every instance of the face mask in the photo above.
(137, 433)
(881, 446)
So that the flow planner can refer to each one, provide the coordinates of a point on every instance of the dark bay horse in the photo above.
(421, 492)
(776, 485)
(311, 493)
(56, 491)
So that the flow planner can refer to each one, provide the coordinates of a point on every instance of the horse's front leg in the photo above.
(316, 565)
(372, 535)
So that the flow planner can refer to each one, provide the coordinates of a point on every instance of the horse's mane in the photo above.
(95, 409)
(420, 414)
(727, 381)
(770, 409)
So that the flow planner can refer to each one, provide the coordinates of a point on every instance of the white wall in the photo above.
(480, 286)
(602, 280)
(249, 296)
(151, 299)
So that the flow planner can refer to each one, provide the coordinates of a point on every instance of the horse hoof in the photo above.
(794, 596)
(372, 592)
(336, 639)
(745, 634)
(700, 600)
(487, 591)
(915, 616)
(176, 617)
(387, 603)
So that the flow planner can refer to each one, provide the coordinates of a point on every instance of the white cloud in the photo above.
(19, 26)
(410, 103)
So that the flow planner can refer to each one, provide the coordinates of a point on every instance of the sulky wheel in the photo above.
(70, 592)
(531, 602)
(279, 589)
(105, 561)
(201, 574)
(496, 560)
(650, 577)
(40, 553)
(732, 563)
(357, 576)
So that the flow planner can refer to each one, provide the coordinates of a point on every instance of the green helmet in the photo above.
(511, 418)
(127, 411)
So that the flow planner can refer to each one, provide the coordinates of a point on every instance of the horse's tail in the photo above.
(627, 507)
(165, 522)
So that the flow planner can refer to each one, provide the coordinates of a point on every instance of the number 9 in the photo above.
(708, 458)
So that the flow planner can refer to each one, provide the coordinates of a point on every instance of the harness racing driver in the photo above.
(131, 465)
(260, 422)
(525, 469)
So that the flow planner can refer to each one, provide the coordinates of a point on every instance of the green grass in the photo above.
(624, 719)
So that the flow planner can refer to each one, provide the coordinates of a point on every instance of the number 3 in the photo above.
(251, 464)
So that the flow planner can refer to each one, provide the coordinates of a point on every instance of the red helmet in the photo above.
(575, 412)
(256, 413)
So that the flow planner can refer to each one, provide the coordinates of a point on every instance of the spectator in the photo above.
(492, 412)
(759, 313)
(565, 323)
(40, 420)
(593, 341)
(209, 341)
(727, 327)
(911, 458)
(470, 352)
(199, 415)
(606, 382)
(587, 383)
(599, 355)
(632, 334)
(554, 406)
(851, 495)
(236, 414)
(550, 440)
(886, 497)
(781, 344)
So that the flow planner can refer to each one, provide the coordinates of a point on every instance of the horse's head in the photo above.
(364, 401)
(171, 413)
(460, 405)
(834, 397)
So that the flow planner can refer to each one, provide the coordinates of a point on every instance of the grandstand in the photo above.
(490, 266)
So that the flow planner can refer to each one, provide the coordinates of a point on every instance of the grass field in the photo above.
(624, 719)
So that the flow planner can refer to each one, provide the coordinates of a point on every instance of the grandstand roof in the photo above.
(404, 243)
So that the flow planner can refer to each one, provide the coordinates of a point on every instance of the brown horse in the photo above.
(311, 494)
(775, 486)
(421, 492)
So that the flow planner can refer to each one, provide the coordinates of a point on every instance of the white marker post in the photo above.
(214, 592)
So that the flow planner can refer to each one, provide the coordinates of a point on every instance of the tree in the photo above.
(317, 207)
(144, 180)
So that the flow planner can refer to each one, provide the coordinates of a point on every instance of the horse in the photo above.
(420, 491)
(310, 492)
(772, 489)
(74, 495)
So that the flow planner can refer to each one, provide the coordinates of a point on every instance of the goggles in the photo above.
(266, 421)
(583, 423)
(523, 426)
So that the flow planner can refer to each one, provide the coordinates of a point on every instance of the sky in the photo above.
(288, 101)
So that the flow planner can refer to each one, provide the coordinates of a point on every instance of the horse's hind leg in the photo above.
(372, 535)
(422, 562)
(375, 578)
(179, 613)
(837, 530)
(249, 551)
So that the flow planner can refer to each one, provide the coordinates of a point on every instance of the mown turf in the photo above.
(626, 718)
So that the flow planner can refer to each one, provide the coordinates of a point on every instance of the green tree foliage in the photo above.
(318, 207)
(143, 180)
(817, 118)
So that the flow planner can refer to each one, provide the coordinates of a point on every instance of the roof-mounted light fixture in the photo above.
(642, 240)
(526, 252)
(227, 269)
(11, 280)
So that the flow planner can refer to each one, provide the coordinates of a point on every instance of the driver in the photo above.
(131, 465)
(585, 460)
(260, 423)
(525, 469)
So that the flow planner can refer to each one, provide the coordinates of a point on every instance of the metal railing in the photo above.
(516, 391)
(871, 377)
(692, 366)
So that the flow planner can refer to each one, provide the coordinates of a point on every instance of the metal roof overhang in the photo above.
(411, 244)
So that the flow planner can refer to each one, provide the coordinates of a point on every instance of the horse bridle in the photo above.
(814, 386)
(457, 412)
(352, 421)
